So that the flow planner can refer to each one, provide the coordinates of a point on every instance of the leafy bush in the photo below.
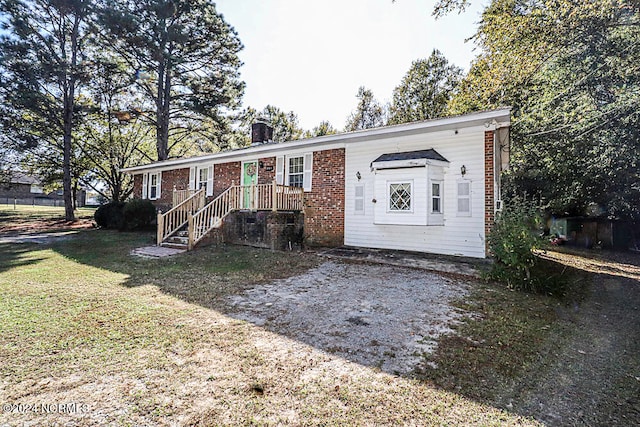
(110, 216)
(138, 214)
(515, 235)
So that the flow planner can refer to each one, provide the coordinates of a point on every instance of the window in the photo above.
(153, 186)
(36, 189)
(436, 197)
(400, 197)
(296, 172)
(203, 177)
(464, 198)
(359, 199)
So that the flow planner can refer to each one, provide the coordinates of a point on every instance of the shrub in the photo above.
(110, 216)
(515, 235)
(138, 214)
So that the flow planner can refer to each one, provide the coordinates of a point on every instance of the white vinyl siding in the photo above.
(446, 232)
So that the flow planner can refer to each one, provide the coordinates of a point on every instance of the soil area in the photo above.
(593, 378)
(375, 315)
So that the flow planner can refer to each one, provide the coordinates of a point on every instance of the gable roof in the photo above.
(492, 119)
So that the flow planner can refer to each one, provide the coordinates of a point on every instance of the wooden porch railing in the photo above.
(272, 196)
(178, 215)
(180, 196)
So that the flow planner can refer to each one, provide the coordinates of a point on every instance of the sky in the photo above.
(311, 56)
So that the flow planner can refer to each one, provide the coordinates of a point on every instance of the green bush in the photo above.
(138, 214)
(512, 241)
(110, 216)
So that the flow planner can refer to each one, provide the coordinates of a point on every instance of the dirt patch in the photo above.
(374, 315)
(29, 223)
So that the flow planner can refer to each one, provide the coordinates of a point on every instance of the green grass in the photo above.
(150, 342)
(496, 346)
(23, 213)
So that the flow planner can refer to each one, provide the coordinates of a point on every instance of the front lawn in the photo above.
(146, 342)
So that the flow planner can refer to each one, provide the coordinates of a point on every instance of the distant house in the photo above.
(430, 186)
(24, 189)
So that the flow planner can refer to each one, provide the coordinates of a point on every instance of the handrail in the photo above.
(180, 196)
(211, 216)
(176, 217)
(254, 197)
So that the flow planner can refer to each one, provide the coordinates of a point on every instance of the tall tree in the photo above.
(570, 69)
(41, 69)
(369, 113)
(186, 57)
(425, 90)
(324, 128)
(114, 136)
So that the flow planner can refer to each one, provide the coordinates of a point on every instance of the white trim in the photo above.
(463, 197)
(287, 169)
(145, 189)
(280, 170)
(210, 181)
(487, 120)
(158, 186)
(359, 199)
(440, 197)
(307, 171)
(411, 196)
(192, 177)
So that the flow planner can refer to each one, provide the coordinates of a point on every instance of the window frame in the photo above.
(299, 174)
(157, 176)
(200, 183)
(439, 197)
(411, 196)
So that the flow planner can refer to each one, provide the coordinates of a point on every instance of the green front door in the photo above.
(249, 178)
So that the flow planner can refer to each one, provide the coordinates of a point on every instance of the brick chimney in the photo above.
(261, 132)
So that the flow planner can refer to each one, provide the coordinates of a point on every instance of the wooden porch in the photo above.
(191, 218)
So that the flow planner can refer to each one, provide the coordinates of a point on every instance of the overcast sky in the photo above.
(311, 56)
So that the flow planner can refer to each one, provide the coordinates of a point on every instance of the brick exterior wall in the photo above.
(265, 176)
(137, 186)
(224, 175)
(175, 177)
(489, 180)
(324, 204)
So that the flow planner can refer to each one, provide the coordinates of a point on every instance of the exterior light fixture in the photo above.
(463, 170)
(358, 175)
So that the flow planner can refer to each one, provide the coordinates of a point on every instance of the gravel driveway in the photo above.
(375, 315)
